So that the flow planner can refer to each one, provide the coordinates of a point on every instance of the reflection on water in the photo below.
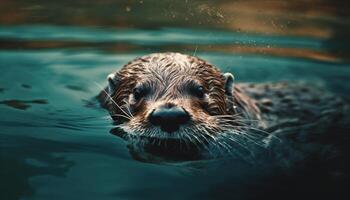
(301, 17)
(326, 19)
(22, 105)
(55, 140)
(120, 40)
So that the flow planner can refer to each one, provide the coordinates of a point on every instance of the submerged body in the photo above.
(181, 107)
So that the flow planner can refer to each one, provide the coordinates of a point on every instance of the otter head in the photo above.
(170, 96)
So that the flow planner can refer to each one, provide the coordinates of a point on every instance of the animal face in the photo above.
(171, 96)
(166, 96)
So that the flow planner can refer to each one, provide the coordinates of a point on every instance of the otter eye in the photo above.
(138, 93)
(199, 92)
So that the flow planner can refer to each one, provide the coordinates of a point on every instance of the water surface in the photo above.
(55, 142)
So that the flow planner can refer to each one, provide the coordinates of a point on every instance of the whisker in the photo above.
(112, 99)
(118, 115)
(195, 51)
(128, 107)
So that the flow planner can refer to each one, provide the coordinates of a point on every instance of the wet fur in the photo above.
(249, 117)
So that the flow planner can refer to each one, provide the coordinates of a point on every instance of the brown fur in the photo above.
(163, 69)
(266, 108)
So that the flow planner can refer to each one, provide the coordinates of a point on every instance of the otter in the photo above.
(182, 107)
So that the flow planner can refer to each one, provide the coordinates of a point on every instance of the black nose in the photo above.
(169, 118)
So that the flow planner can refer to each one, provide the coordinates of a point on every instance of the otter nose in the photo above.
(169, 118)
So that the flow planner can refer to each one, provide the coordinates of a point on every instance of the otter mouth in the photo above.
(146, 148)
(159, 149)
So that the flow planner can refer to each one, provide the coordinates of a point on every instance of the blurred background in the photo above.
(323, 20)
(55, 141)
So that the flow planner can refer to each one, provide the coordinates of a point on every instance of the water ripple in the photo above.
(162, 36)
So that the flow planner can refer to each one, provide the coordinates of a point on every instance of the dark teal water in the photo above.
(55, 144)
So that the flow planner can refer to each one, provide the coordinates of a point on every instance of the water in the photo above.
(55, 142)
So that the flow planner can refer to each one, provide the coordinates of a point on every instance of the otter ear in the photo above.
(229, 85)
(112, 83)
(108, 91)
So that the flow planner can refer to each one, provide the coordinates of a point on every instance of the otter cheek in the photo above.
(196, 109)
(135, 125)
(199, 113)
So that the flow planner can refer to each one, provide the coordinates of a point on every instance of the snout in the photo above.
(169, 117)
